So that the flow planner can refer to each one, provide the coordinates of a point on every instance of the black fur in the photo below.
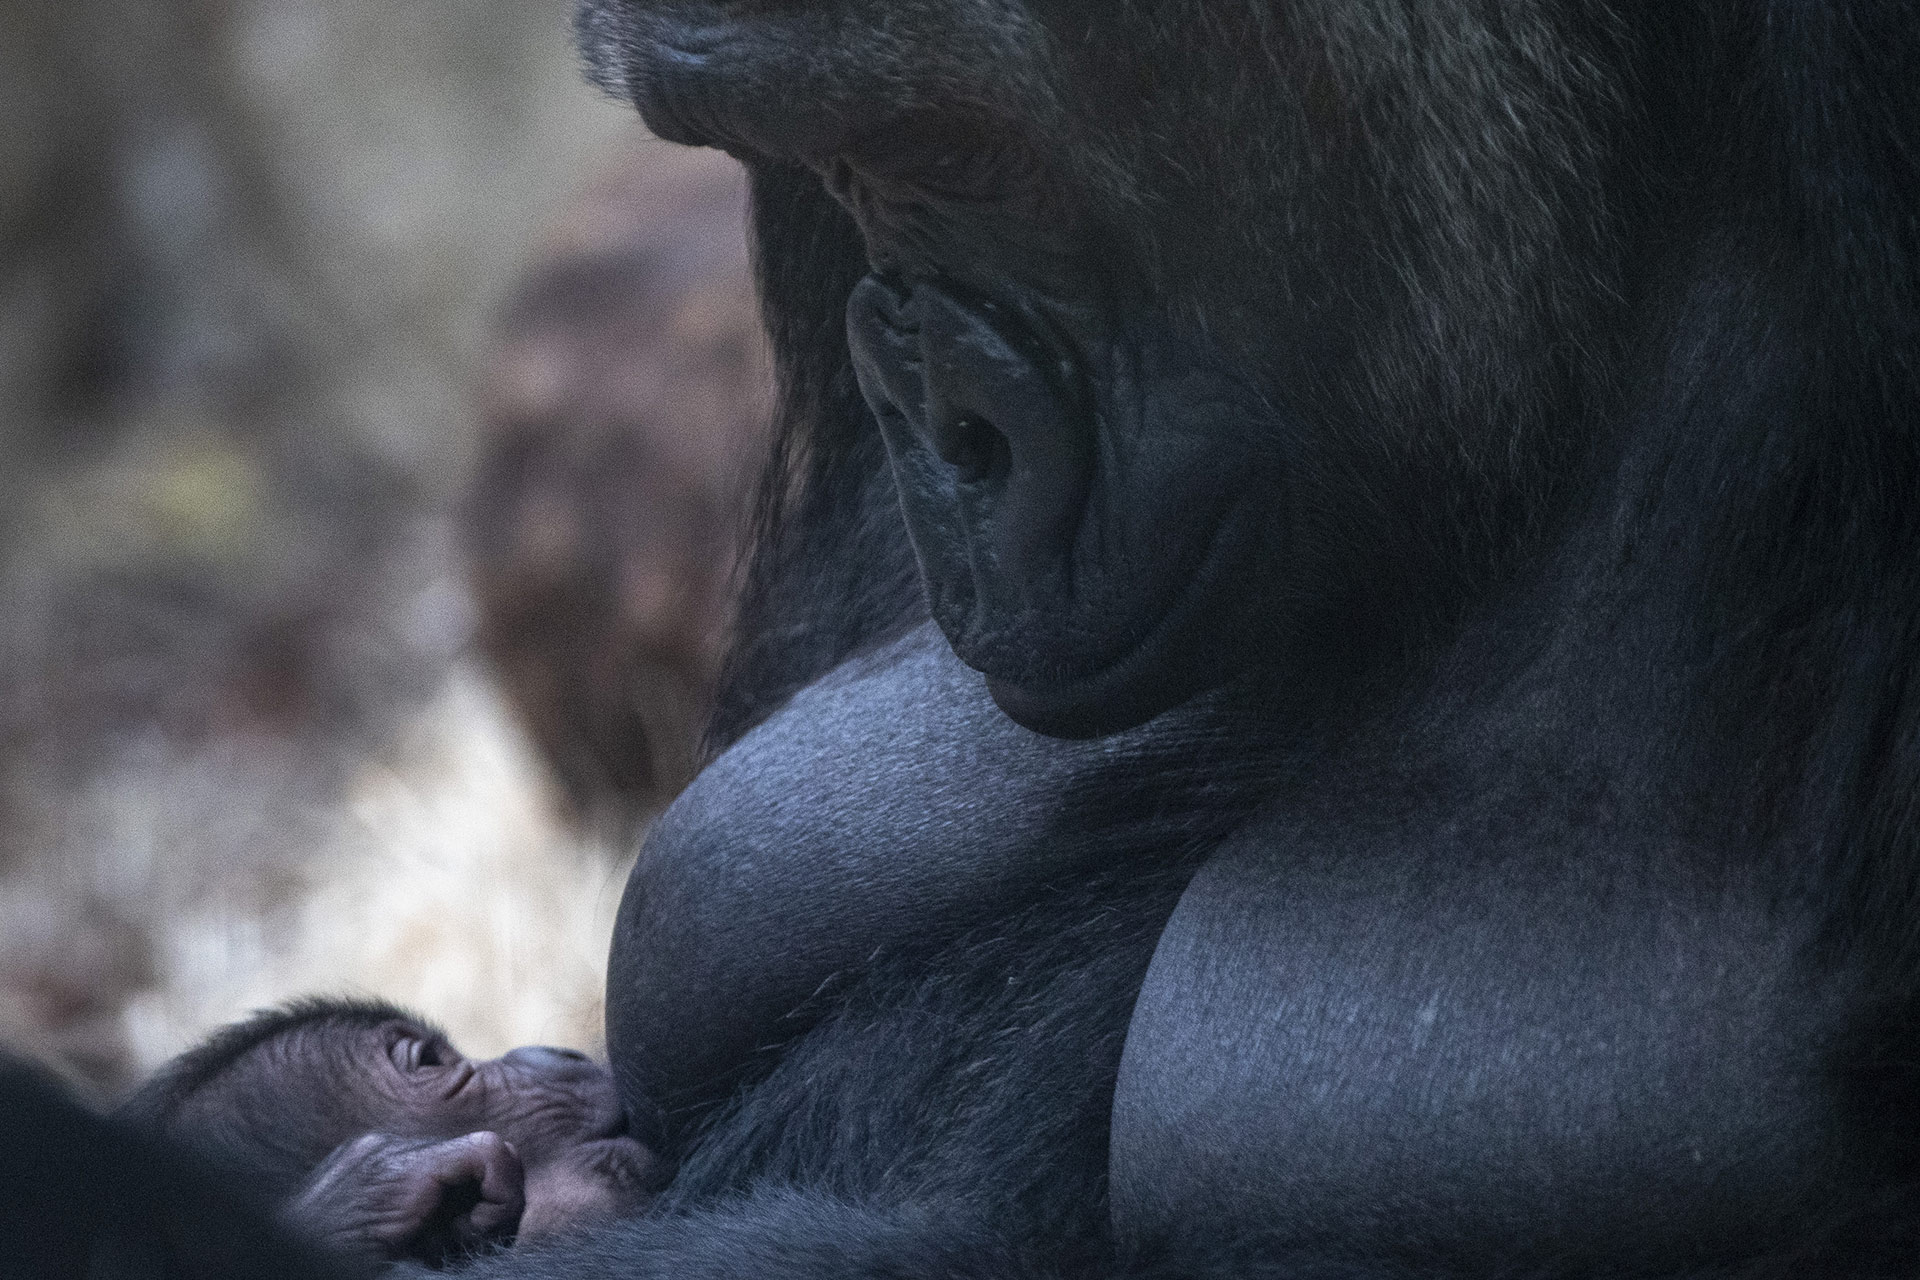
(831, 571)
(82, 1197)
(272, 1160)
(1575, 350)
(1531, 890)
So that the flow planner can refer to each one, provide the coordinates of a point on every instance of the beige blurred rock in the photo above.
(446, 882)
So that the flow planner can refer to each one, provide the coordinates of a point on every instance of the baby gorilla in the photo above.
(372, 1135)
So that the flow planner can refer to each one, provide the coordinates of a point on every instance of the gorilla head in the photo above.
(1183, 369)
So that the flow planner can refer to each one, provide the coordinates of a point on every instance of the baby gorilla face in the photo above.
(554, 1108)
(433, 1153)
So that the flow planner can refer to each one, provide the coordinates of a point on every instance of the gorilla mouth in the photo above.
(1158, 671)
(621, 1159)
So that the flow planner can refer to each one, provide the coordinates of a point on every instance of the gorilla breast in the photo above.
(1120, 317)
(846, 831)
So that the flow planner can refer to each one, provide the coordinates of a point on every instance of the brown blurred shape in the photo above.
(247, 253)
(622, 417)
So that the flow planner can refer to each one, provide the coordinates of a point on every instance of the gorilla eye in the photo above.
(412, 1053)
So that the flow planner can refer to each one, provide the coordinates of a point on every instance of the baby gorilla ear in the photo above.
(381, 1198)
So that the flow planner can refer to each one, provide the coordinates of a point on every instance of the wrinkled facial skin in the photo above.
(557, 1109)
(1047, 518)
(1171, 361)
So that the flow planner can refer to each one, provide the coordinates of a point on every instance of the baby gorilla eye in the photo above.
(416, 1053)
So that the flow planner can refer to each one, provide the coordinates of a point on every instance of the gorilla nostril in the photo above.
(888, 299)
(976, 449)
(898, 291)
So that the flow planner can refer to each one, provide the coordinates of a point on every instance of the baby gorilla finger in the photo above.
(390, 1197)
(378, 1138)
(489, 1161)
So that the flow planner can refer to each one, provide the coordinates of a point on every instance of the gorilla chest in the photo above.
(1444, 1059)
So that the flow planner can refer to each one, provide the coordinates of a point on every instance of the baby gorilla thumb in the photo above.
(488, 1161)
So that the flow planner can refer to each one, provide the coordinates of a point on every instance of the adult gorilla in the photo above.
(1452, 467)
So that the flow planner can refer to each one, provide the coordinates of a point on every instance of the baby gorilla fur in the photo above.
(370, 1134)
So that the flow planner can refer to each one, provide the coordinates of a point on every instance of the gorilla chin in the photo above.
(1131, 692)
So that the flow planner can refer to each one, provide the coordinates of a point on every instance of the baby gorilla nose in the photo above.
(544, 1057)
(551, 1099)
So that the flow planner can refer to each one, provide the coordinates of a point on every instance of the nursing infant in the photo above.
(374, 1137)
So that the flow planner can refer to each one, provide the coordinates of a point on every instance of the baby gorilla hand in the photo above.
(388, 1198)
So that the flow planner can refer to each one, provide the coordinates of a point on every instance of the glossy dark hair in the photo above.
(272, 1133)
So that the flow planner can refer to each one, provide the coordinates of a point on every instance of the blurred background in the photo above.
(377, 410)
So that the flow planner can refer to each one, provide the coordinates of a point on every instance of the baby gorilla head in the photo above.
(373, 1134)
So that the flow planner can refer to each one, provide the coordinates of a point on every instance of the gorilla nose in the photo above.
(980, 419)
(972, 446)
